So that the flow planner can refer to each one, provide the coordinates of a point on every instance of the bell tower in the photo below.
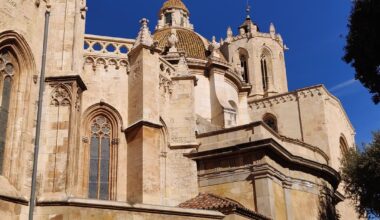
(258, 57)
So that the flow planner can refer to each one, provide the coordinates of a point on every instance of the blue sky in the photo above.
(313, 30)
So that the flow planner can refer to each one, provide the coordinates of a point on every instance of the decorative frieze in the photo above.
(287, 97)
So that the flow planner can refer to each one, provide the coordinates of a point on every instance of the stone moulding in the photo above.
(142, 123)
(68, 78)
(280, 137)
(123, 206)
(270, 145)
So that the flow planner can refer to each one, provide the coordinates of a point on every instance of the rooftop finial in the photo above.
(248, 10)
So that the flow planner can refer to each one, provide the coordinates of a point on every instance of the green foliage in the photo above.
(361, 175)
(363, 44)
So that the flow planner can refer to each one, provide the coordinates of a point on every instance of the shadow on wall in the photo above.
(327, 210)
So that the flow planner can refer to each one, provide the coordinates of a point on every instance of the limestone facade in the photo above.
(132, 128)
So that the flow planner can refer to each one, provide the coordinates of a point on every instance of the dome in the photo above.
(178, 4)
(188, 41)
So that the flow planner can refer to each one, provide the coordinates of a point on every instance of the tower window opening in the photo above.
(244, 68)
(271, 121)
(264, 73)
(168, 19)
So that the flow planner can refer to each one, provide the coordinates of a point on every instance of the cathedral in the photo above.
(169, 125)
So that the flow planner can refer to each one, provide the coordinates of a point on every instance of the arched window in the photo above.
(100, 143)
(264, 72)
(100, 156)
(6, 83)
(168, 19)
(271, 121)
(343, 145)
(244, 68)
(266, 69)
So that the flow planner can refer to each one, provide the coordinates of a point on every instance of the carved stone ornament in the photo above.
(213, 47)
(230, 35)
(6, 67)
(60, 96)
(172, 41)
(144, 37)
(182, 68)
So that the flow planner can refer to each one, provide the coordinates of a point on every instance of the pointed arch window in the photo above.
(244, 67)
(100, 155)
(343, 145)
(264, 72)
(271, 121)
(6, 83)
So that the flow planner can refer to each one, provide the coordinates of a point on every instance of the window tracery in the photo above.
(100, 153)
(60, 96)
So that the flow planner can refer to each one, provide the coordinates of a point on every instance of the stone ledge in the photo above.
(10, 194)
(122, 206)
(142, 123)
(76, 78)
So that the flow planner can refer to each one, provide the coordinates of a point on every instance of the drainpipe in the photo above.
(32, 202)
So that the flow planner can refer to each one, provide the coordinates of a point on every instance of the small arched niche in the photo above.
(271, 121)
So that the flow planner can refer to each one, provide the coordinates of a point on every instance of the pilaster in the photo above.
(265, 196)
(144, 128)
(59, 135)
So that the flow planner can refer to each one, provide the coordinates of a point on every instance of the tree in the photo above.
(362, 50)
(361, 177)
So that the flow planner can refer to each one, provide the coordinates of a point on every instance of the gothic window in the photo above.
(244, 68)
(343, 145)
(6, 81)
(264, 72)
(100, 155)
(271, 121)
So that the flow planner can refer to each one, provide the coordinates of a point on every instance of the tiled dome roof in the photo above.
(188, 41)
(174, 4)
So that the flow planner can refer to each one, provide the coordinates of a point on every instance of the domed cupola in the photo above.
(174, 13)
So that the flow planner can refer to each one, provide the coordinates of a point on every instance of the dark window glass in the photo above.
(244, 68)
(4, 113)
(168, 18)
(100, 159)
(264, 73)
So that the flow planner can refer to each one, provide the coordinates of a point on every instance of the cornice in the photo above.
(123, 206)
(68, 78)
(270, 145)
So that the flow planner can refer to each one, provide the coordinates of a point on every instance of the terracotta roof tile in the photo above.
(188, 42)
(208, 201)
